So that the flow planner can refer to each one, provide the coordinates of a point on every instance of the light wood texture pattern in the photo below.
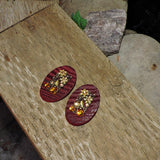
(125, 127)
(13, 11)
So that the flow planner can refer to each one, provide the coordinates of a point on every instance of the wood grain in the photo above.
(126, 126)
(13, 11)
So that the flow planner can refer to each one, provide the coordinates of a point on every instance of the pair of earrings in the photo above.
(83, 103)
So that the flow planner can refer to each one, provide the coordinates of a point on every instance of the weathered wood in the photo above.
(125, 127)
(13, 11)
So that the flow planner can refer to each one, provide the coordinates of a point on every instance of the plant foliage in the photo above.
(81, 22)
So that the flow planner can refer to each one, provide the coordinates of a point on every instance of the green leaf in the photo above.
(81, 22)
(77, 14)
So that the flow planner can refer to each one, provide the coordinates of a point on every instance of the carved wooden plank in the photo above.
(13, 11)
(125, 127)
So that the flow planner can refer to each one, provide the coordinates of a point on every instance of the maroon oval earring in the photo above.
(82, 105)
(58, 84)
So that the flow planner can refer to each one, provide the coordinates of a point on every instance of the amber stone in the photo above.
(71, 108)
(52, 89)
(46, 85)
(79, 112)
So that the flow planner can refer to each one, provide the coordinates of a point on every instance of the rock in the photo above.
(5, 115)
(129, 31)
(106, 28)
(139, 61)
(87, 6)
(14, 144)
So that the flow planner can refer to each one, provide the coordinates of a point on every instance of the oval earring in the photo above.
(82, 105)
(58, 84)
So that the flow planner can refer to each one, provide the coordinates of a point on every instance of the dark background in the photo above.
(144, 17)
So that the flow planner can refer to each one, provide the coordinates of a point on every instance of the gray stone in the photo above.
(87, 6)
(14, 145)
(139, 61)
(106, 28)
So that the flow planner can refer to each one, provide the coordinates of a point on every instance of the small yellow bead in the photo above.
(87, 105)
(61, 85)
(51, 82)
(76, 104)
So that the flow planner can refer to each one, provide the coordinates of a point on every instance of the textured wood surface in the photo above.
(125, 127)
(13, 11)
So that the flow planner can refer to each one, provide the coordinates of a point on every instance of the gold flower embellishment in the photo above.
(88, 99)
(84, 92)
(63, 80)
(62, 73)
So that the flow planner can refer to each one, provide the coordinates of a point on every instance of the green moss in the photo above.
(81, 22)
